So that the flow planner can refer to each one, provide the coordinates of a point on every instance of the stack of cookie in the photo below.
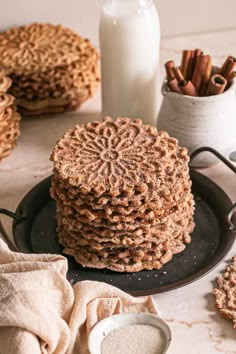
(52, 68)
(123, 195)
(9, 118)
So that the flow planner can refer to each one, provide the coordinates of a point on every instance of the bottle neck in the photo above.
(129, 4)
(132, 2)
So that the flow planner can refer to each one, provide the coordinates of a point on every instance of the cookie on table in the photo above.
(225, 294)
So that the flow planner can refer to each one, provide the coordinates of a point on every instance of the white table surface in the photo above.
(190, 311)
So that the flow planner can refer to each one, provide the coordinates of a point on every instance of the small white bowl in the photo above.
(108, 324)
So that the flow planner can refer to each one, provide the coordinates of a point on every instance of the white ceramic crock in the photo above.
(200, 121)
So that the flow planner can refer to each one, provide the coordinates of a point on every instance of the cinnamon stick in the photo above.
(186, 63)
(196, 54)
(178, 74)
(171, 79)
(217, 85)
(230, 68)
(199, 71)
(231, 77)
(173, 86)
(170, 65)
(187, 88)
(206, 77)
(190, 67)
(222, 70)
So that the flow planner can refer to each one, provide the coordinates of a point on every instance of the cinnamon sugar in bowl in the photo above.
(130, 333)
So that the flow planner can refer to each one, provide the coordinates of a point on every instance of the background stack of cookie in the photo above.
(9, 118)
(123, 195)
(52, 68)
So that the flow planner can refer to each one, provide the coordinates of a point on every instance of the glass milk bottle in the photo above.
(130, 46)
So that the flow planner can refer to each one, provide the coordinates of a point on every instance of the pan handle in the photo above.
(229, 217)
(11, 214)
(214, 152)
(232, 210)
(3, 232)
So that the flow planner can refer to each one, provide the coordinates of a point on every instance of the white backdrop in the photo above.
(177, 17)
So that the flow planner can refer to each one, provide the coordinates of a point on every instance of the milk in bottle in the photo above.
(129, 45)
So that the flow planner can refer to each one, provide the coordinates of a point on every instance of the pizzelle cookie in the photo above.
(225, 294)
(9, 118)
(52, 68)
(129, 263)
(123, 195)
(157, 200)
(118, 156)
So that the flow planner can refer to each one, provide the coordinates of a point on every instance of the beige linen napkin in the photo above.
(40, 312)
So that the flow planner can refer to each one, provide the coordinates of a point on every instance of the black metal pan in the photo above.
(34, 231)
